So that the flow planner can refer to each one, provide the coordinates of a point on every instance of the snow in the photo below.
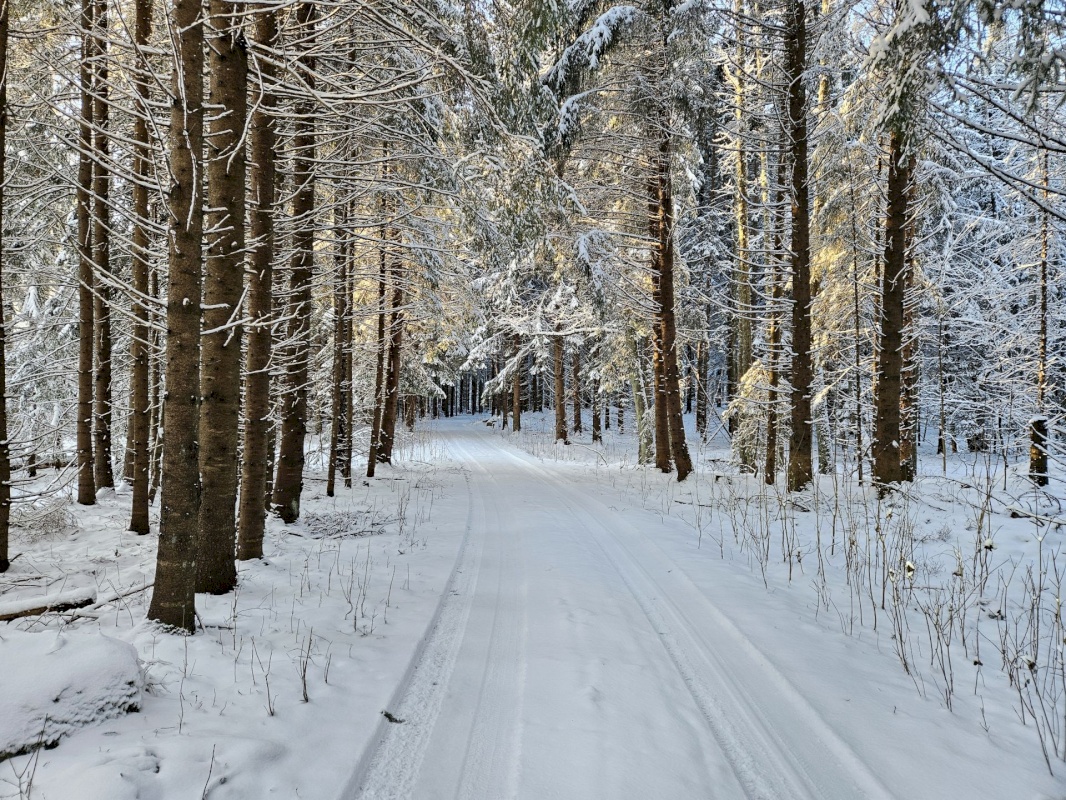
(546, 621)
(590, 46)
(74, 597)
(64, 681)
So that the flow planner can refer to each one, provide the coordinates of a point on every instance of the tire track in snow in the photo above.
(390, 767)
(492, 762)
(777, 744)
(477, 753)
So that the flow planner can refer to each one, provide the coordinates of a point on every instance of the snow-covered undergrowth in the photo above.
(957, 577)
(284, 684)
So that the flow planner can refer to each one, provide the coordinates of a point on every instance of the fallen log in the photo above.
(32, 606)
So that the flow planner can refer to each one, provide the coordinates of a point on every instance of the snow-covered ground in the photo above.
(543, 621)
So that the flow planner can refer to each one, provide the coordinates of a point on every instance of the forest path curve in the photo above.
(571, 658)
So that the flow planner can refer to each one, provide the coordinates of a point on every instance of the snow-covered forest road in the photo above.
(574, 657)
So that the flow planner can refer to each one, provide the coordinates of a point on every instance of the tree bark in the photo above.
(288, 483)
(662, 420)
(1038, 427)
(86, 310)
(575, 386)
(338, 412)
(379, 373)
(800, 470)
(560, 390)
(5, 448)
(220, 377)
(391, 408)
(773, 345)
(348, 387)
(139, 354)
(702, 399)
(667, 322)
(516, 390)
(173, 598)
(255, 470)
(640, 406)
(101, 252)
(887, 465)
(597, 432)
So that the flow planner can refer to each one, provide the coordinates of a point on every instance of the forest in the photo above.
(254, 252)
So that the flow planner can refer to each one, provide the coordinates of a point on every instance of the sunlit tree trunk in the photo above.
(667, 322)
(742, 355)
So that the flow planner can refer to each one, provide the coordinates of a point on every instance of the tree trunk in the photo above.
(1038, 428)
(560, 390)
(173, 597)
(5, 449)
(887, 465)
(640, 408)
(391, 408)
(742, 357)
(667, 323)
(379, 373)
(101, 250)
(139, 372)
(220, 377)
(155, 381)
(662, 420)
(503, 400)
(255, 467)
(597, 434)
(800, 470)
(516, 389)
(773, 345)
(575, 386)
(702, 399)
(288, 483)
(86, 310)
(338, 413)
(908, 397)
(348, 355)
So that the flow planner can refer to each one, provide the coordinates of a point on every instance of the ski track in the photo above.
(503, 702)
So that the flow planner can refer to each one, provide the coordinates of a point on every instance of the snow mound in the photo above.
(56, 683)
